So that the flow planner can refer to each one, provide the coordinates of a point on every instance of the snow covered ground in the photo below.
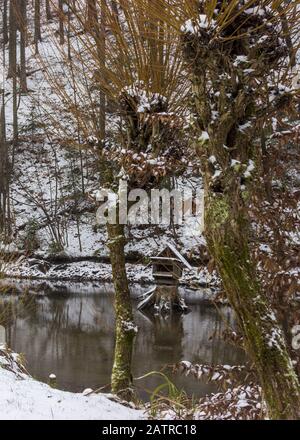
(23, 398)
(86, 271)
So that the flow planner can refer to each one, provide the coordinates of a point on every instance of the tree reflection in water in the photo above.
(72, 335)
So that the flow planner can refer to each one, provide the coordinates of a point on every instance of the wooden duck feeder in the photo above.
(167, 269)
(168, 265)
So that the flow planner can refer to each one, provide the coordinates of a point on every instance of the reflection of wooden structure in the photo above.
(167, 335)
(167, 269)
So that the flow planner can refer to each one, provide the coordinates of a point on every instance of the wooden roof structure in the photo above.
(168, 265)
(170, 251)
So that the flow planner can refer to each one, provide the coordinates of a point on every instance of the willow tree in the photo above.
(136, 67)
(238, 58)
(141, 81)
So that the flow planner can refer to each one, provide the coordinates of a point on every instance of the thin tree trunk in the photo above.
(61, 22)
(121, 379)
(91, 15)
(37, 24)
(23, 44)
(5, 26)
(69, 32)
(48, 10)
(121, 374)
(12, 71)
(102, 60)
(12, 68)
(97, 30)
(15, 109)
(114, 8)
(5, 227)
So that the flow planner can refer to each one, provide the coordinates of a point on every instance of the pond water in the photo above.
(71, 334)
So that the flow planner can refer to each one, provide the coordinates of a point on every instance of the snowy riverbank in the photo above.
(23, 398)
(90, 270)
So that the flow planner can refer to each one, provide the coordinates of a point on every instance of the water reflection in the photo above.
(72, 335)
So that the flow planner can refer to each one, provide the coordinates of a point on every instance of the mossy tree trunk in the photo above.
(226, 232)
(227, 228)
(121, 380)
(228, 103)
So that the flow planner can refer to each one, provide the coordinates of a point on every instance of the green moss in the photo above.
(275, 371)
(121, 374)
(218, 212)
(245, 195)
(121, 381)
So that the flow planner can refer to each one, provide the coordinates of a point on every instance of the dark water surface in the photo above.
(71, 334)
